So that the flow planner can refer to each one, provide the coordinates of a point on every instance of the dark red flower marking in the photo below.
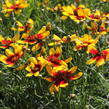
(6, 43)
(13, 59)
(36, 68)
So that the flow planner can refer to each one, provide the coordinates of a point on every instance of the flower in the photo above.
(96, 16)
(98, 28)
(86, 42)
(5, 42)
(61, 78)
(16, 6)
(57, 40)
(34, 67)
(99, 57)
(12, 57)
(42, 34)
(27, 28)
(54, 61)
(77, 14)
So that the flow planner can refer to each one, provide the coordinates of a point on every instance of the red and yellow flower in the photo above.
(98, 28)
(57, 40)
(34, 67)
(77, 14)
(27, 28)
(54, 61)
(14, 6)
(42, 34)
(60, 79)
(12, 57)
(100, 57)
(86, 42)
(96, 16)
(5, 42)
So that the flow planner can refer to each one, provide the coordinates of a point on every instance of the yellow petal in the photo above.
(48, 79)
(56, 38)
(19, 24)
(52, 51)
(8, 52)
(16, 37)
(73, 69)
(1, 38)
(45, 34)
(35, 47)
(107, 57)
(100, 62)
(91, 61)
(49, 69)
(59, 50)
(33, 60)
(30, 21)
(36, 74)
(29, 74)
(64, 17)
(21, 67)
(42, 61)
(77, 76)
(68, 60)
(42, 30)
(59, 68)
(54, 89)
(28, 68)
(3, 58)
(8, 4)
(52, 44)
(63, 85)
(17, 49)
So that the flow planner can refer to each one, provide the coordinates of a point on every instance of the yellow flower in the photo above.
(96, 16)
(86, 42)
(27, 28)
(54, 61)
(12, 57)
(97, 28)
(42, 34)
(34, 67)
(77, 14)
(60, 78)
(100, 57)
(9, 6)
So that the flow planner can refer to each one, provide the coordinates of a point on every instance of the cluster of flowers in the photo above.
(57, 67)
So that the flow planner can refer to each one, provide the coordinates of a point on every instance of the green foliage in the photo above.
(19, 92)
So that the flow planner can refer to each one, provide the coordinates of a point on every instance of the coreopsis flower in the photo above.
(42, 34)
(77, 14)
(27, 28)
(54, 61)
(57, 40)
(12, 57)
(5, 42)
(60, 79)
(98, 28)
(86, 42)
(16, 6)
(34, 67)
(96, 16)
(100, 57)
